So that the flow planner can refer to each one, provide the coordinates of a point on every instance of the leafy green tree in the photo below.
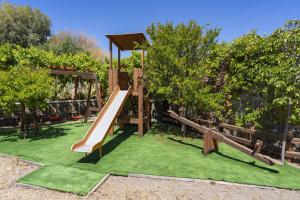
(23, 26)
(175, 69)
(7, 57)
(27, 86)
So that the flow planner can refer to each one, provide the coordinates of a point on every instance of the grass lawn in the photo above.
(160, 152)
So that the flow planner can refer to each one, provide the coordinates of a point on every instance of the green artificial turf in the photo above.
(63, 178)
(160, 152)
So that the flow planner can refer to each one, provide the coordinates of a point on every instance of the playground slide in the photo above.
(95, 136)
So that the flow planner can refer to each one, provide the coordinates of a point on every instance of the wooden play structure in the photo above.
(141, 115)
(212, 137)
(92, 79)
(121, 89)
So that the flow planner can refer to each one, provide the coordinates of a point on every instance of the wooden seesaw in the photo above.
(213, 137)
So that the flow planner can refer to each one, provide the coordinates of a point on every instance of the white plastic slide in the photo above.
(95, 136)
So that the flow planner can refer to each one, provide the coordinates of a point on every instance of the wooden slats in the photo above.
(292, 154)
(237, 139)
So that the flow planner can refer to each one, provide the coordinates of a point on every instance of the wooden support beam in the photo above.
(83, 75)
(236, 128)
(130, 120)
(110, 55)
(221, 138)
(140, 104)
(119, 60)
(143, 58)
(235, 138)
(210, 144)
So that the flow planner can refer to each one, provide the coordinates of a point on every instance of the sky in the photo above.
(97, 18)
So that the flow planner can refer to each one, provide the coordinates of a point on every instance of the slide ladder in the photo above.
(95, 136)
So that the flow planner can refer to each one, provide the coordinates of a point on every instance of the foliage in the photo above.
(263, 75)
(65, 45)
(6, 56)
(175, 65)
(23, 26)
(72, 43)
(27, 86)
(22, 84)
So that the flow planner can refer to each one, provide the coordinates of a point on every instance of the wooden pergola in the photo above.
(61, 70)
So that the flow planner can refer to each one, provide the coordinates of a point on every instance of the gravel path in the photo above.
(131, 188)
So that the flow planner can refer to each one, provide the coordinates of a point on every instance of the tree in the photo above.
(72, 43)
(175, 66)
(27, 86)
(285, 77)
(63, 43)
(23, 26)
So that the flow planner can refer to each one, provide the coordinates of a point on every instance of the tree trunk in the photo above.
(182, 113)
(22, 116)
(23, 119)
(35, 121)
(286, 130)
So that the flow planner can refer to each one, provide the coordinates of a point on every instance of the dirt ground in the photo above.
(134, 187)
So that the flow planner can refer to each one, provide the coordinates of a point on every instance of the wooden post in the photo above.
(210, 144)
(143, 55)
(257, 146)
(140, 104)
(87, 112)
(119, 60)
(110, 54)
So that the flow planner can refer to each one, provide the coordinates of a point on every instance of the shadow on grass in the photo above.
(45, 133)
(109, 146)
(185, 143)
(252, 164)
(162, 127)
(49, 132)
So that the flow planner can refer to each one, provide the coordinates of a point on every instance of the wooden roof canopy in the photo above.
(127, 41)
